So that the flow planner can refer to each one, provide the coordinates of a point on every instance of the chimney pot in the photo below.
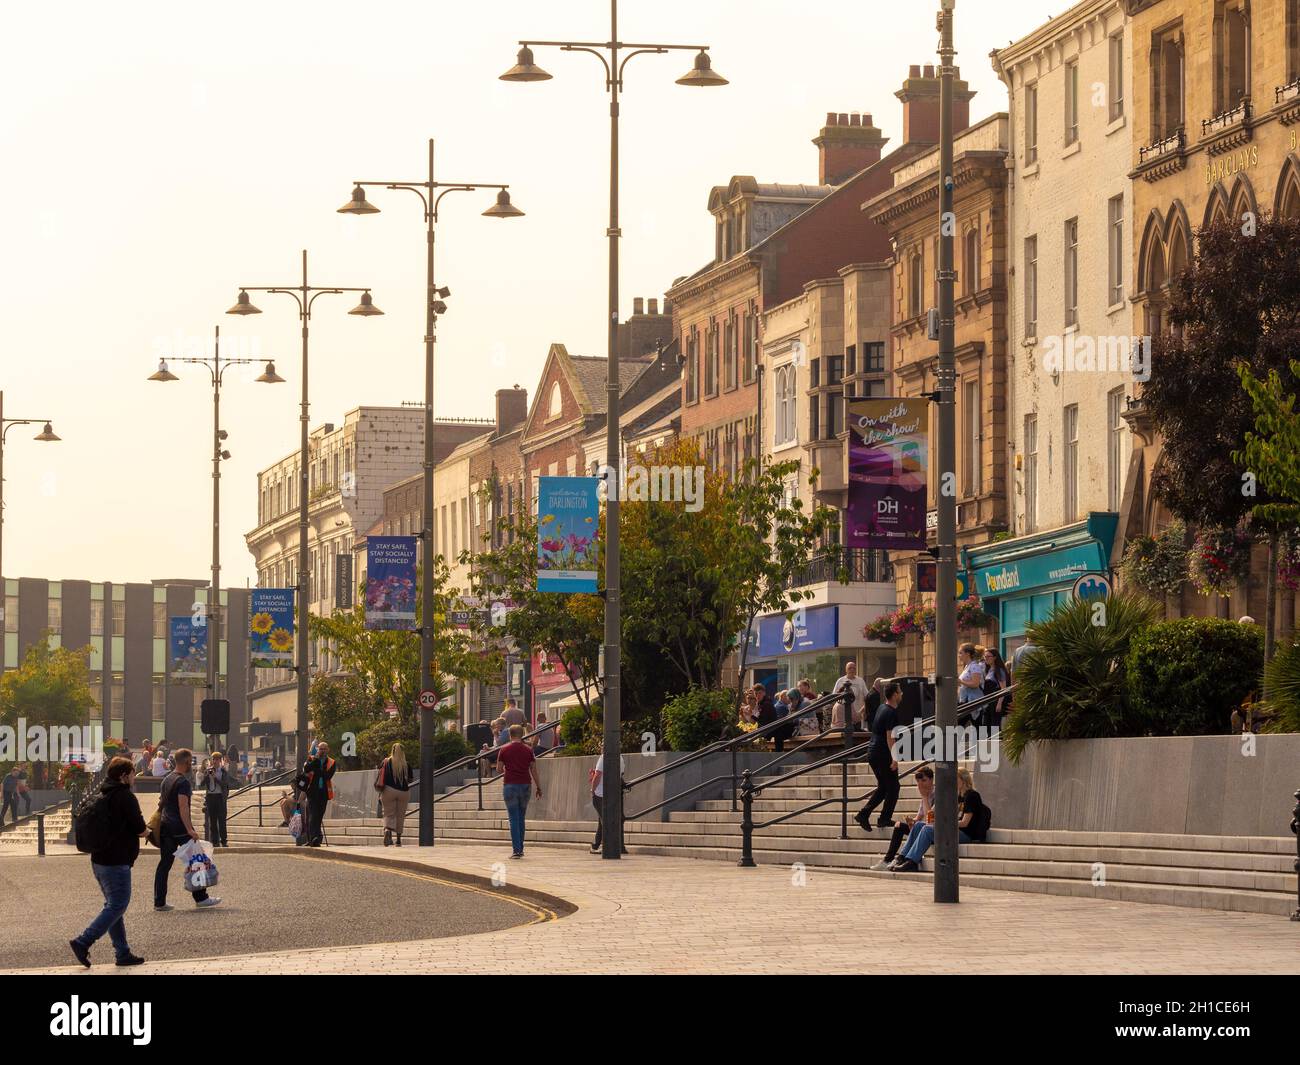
(638, 305)
(866, 120)
(844, 119)
(914, 71)
(654, 306)
(929, 70)
(855, 120)
(830, 118)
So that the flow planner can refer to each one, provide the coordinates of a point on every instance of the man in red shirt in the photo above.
(518, 762)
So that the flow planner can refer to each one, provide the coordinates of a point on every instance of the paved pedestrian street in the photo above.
(678, 915)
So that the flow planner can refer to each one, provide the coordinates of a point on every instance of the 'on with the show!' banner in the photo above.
(390, 582)
(270, 628)
(887, 473)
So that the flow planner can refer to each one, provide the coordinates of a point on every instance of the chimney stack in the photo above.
(920, 97)
(638, 305)
(847, 144)
(654, 305)
(512, 408)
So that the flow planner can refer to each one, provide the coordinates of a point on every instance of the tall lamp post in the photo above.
(46, 435)
(304, 295)
(216, 367)
(430, 197)
(612, 58)
(945, 718)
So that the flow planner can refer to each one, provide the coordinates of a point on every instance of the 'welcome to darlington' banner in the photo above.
(390, 582)
(270, 628)
(567, 512)
(887, 467)
(189, 648)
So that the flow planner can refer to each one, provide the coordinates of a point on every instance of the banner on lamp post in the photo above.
(344, 589)
(567, 518)
(271, 628)
(189, 648)
(887, 473)
(390, 582)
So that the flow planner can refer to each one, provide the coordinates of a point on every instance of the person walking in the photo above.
(996, 678)
(120, 826)
(598, 797)
(175, 829)
(317, 782)
(10, 797)
(512, 715)
(880, 756)
(970, 682)
(394, 785)
(519, 763)
(217, 780)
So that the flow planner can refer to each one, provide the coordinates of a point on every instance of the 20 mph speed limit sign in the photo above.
(428, 700)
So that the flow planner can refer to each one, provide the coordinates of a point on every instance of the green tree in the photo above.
(343, 706)
(387, 663)
(50, 688)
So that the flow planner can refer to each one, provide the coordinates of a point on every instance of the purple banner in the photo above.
(887, 468)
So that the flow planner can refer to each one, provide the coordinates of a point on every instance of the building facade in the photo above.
(126, 628)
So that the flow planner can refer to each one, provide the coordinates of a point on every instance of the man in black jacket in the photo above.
(112, 863)
(217, 779)
(317, 782)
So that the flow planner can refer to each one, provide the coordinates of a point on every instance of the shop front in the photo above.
(1021, 581)
(814, 643)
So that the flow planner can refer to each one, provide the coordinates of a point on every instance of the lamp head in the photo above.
(503, 208)
(269, 376)
(702, 74)
(46, 435)
(244, 305)
(163, 374)
(525, 69)
(365, 308)
(358, 204)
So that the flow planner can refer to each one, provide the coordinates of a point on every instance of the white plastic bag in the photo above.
(295, 825)
(197, 869)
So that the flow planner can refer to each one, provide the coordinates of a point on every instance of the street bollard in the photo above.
(259, 804)
(733, 779)
(1295, 828)
(478, 773)
(40, 834)
(747, 822)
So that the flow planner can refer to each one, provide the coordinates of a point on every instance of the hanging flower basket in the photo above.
(906, 620)
(1218, 559)
(1157, 564)
(972, 615)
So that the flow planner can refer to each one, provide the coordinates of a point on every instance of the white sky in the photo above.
(156, 156)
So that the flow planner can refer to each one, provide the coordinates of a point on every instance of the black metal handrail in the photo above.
(476, 759)
(850, 753)
(259, 806)
(733, 745)
(853, 565)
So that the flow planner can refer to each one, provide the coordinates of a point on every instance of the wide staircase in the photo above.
(23, 837)
(1251, 874)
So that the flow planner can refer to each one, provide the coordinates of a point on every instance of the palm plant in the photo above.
(1282, 690)
(1074, 685)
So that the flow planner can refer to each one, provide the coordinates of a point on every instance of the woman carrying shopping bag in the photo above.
(393, 782)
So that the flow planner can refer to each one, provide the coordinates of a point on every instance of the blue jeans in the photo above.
(115, 883)
(516, 796)
(920, 839)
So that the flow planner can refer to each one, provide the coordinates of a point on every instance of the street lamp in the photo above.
(45, 436)
(304, 295)
(430, 198)
(945, 643)
(216, 367)
(700, 75)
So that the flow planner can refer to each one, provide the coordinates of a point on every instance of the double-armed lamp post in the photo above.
(216, 367)
(45, 436)
(614, 56)
(304, 295)
(434, 305)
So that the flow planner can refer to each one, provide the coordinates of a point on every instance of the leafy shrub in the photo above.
(1187, 675)
(448, 747)
(699, 717)
(580, 730)
(375, 742)
(1074, 685)
(1282, 690)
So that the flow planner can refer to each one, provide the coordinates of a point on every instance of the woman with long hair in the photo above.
(996, 678)
(393, 782)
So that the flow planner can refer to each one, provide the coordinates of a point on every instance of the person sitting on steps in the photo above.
(973, 819)
(924, 815)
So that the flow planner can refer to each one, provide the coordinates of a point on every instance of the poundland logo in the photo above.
(121, 1019)
(1004, 581)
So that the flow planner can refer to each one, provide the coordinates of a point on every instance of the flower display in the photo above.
(1218, 559)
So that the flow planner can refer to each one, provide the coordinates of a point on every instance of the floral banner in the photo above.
(390, 582)
(567, 512)
(189, 648)
(270, 628)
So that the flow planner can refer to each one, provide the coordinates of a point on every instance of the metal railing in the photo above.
(733, 746)
(848, 565)
(276, 778)
(852, 752)
(477, 759)
(1295, 828)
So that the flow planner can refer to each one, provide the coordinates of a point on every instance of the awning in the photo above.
(1042, 560)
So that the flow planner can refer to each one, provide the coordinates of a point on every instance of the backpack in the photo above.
(94, 825)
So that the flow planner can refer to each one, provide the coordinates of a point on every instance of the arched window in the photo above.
(1288, 191)
(556, 407)
(785, 431)
(971, 261)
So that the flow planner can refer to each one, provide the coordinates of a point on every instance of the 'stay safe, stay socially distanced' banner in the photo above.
(390, 582)
(270, 628)
(887, 469)
(567, 519)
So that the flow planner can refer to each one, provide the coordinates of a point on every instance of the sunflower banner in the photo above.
(270, 628)
(568, 510)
